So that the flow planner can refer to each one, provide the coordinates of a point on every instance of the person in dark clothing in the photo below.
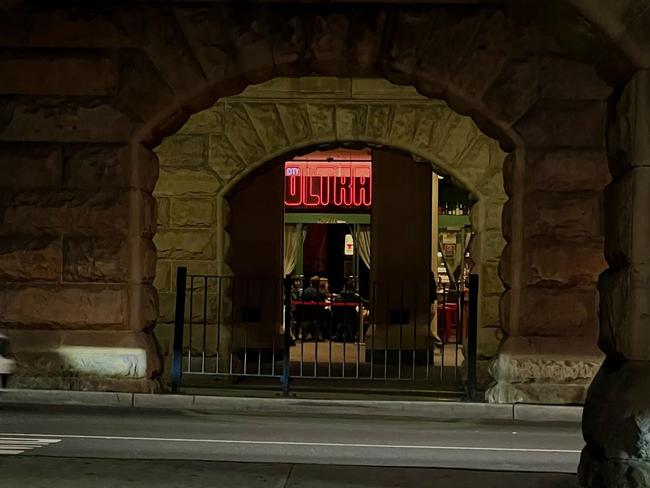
(433, 288)
(296, 295)
(325, 318)
(347, 318)
(433, 296)
(312, 292)
(310, 315)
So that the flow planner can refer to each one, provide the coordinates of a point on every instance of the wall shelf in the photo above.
(453, 221)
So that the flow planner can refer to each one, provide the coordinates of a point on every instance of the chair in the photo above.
(447, 313)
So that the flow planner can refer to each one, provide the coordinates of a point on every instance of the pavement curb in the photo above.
(435, 410)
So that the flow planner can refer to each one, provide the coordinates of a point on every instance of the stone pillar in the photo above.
(74, 266)
(188, 226)
(550, 355)
(77, 217)
(616, 422)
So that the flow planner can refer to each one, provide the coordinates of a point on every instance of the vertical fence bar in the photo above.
(275, 301)
(272, 324)
(386, 335)
(320, 314)
(287, 336)
(459, 320)
(358, 326)
(302, 344)
(401, 330)
(415, 327)
(431, 355)
(343, 359)
(472, 336)
(233, 319)
(205, 321)
(179, 319)
(219, 305)
(191, 313)
(444, 332)
(331, 338)
(373, 325)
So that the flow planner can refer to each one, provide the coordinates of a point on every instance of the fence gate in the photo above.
(241, 327)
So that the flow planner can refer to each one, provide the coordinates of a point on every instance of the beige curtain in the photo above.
(363, 244)
(291, 240)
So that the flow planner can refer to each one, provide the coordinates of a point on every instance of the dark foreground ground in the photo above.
(35, 472)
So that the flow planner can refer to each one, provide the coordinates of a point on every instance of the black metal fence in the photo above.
(242, 327)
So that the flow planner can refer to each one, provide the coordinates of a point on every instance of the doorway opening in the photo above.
(376, 248)
(328, 199)
(409, 309)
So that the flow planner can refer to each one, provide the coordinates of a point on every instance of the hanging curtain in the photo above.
(363, 244)
(290, 248)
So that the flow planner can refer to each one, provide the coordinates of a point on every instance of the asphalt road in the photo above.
(138, 434)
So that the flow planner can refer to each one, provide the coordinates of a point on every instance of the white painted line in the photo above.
(18, 441)
(12, 444)
(33, 441)
(306, 444)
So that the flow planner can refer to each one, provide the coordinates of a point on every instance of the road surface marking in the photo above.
(302, 444)
(12, 444)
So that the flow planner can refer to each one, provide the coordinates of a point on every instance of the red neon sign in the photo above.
(322, 185)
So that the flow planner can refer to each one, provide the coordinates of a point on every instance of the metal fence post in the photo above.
(472, 337)
(287, 336)
(179, 324)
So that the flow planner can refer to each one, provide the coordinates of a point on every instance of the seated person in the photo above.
(324, 288)
(309, 314)
(326, 311)
(346, 318)
(312, 292)
(349, 293)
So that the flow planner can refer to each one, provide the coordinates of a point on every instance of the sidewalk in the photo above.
(438, 410)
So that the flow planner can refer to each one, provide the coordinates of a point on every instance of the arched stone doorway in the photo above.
(220, 147)
(526, 107)
(78, 170)
(524, 85)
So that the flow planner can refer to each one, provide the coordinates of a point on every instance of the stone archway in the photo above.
(219, 147)
(515, 89)
(122, 85)
(95, 88)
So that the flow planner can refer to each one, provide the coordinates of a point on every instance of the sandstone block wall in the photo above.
(617, 411)
(78, 172)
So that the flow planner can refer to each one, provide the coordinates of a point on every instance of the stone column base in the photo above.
(612, 473)
(121, 361)
(85, 383)
(616, 427)
(546, 370)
